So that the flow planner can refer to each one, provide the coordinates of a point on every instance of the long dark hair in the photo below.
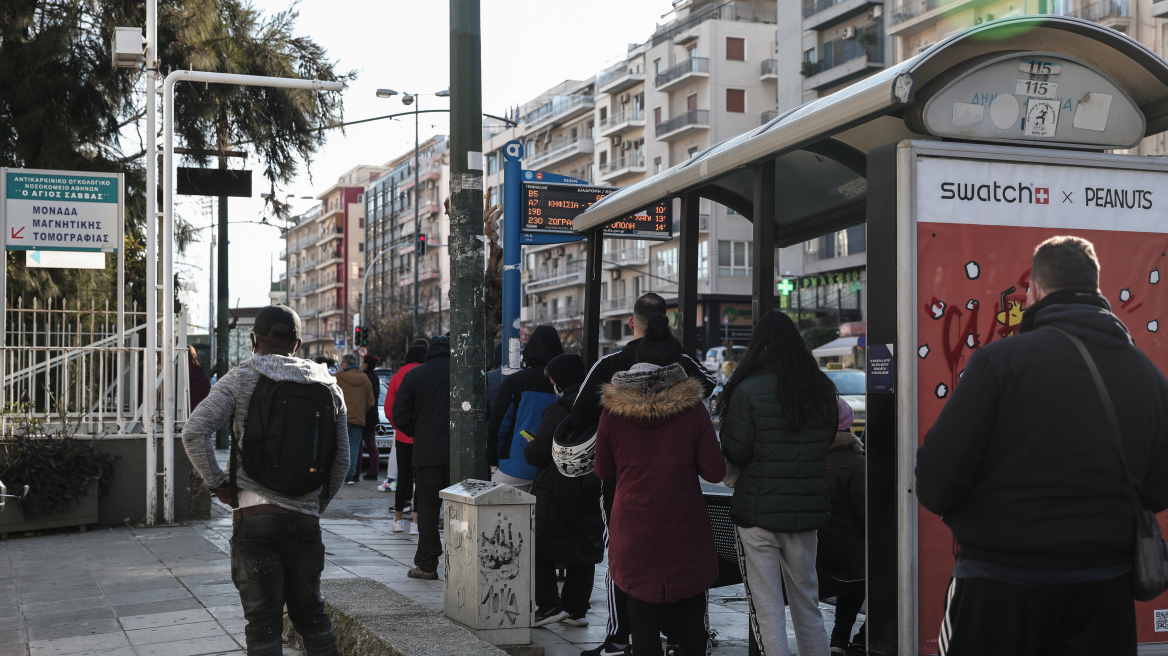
(658, 346)
(803, 390)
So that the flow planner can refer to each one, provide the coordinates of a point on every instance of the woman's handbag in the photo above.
(1150, 555)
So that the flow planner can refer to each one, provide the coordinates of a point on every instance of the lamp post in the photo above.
(408, 99)
(365, 281)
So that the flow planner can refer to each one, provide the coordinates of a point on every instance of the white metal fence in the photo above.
(62, 358)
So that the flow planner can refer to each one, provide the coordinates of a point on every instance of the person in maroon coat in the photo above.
(655, 439)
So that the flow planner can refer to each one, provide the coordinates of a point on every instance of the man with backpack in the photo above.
(422, 409)
(289, 456)
(1023, 465)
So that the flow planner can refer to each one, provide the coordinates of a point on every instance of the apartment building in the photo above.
(325, 261)
(708, 74)
(390, 245)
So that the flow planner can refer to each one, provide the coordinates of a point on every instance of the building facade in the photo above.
(391, 202)
(325, 262)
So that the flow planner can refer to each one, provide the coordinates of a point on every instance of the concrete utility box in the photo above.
(489, 550)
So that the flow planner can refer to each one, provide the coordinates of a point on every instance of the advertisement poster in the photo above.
(978, 223)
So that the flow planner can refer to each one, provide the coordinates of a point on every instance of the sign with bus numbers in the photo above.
(551, 208)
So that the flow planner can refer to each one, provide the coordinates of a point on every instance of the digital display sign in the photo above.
(551, 208)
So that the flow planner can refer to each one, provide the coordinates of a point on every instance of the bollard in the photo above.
(489, 551)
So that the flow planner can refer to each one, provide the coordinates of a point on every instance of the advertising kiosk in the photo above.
(960, 161)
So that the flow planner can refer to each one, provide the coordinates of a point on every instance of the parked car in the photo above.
(384, 429)
(851, 386)
(716, 357)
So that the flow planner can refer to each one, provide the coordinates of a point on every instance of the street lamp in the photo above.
(409, 99)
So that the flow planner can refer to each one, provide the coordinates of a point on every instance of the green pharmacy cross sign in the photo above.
(786, 287)
(61, 210)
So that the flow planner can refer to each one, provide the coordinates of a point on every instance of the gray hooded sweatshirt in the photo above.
(232, 394)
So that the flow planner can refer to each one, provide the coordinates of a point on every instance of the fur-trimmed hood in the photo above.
(651, 398)
(844, 440)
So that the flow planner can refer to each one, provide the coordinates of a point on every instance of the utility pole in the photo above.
(468, 440)
(417, 209)
(222, 437)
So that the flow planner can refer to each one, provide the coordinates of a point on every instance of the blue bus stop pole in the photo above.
(512, 254)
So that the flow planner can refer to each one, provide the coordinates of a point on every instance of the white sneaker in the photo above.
(413, 528)
(399, 526)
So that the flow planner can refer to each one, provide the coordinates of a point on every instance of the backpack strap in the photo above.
(1109, 409)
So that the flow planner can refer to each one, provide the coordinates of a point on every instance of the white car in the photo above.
(851, 386)
(385, 431)
(716, 357)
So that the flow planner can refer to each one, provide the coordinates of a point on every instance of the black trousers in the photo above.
(405, 475)
(577, 587)
(429, 481)
(689, 625)
(1009, 619)
(277, 560)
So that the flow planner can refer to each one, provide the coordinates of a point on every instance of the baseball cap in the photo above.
(279, 321)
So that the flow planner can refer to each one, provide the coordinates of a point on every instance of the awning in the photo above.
(820, 149)
(838, 346)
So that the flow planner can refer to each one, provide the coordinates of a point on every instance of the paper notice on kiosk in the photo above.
(1041, 117)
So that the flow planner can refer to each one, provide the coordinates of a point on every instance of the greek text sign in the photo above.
(62, 210)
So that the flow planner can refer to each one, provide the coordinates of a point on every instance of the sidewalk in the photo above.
(168, 592)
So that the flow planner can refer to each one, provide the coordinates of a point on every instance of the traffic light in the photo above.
(364, 339)
(421, 247)
(358, 335)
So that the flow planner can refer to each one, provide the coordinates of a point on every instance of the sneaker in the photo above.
(413, 528)
(609, 649)
(576, 619)
(385, 487)
(399, 526)
(547, 616)
(419, 573)
(351, 481)
(393, 486)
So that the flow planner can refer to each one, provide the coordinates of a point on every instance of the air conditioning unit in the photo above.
(876, 12)
(628, 145)
(849, 33)
(624, 98)
(616, 140)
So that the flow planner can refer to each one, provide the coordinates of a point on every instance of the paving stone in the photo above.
(166, 619)
(174, 632)
(144, 596)
(226, 612)
(62, 605)
(216, 646)
(77, 644)
(135, 610)
(62, 626)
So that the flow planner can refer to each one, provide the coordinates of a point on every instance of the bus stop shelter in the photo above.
(959, 160)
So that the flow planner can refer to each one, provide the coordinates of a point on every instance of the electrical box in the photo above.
(128, 47)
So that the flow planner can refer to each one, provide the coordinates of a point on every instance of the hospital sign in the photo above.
(62, 210)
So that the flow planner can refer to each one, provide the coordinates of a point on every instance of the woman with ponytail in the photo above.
(779, 417)
(655, 439)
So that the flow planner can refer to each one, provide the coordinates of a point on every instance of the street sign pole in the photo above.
(222, 320)
(512, 254)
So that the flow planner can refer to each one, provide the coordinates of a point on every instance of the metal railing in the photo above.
(1098, 11)
(769, 67)
(769, 115)
(691, 117)
(327, 234)
(622, 163)
(720, 12)
(869, 45)
(539, 158)
(557, 314)
(556, 106)
(62, 360)
(573, 273)
(911, 10)
(615, 304)
(612, 73)
(624, 115)
(627, 254)
(691, 65)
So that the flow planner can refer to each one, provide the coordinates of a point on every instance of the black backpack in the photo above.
(290, 437)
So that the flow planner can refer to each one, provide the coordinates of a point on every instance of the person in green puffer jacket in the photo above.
(779, 417)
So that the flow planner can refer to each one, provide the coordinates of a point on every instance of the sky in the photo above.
(527, 47)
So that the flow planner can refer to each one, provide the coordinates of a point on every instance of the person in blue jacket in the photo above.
(519, 407)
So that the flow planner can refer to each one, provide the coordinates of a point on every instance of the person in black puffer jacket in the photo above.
(568, 525)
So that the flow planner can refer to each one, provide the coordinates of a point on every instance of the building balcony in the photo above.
(627, 256)
(682, 29)
(1109, 13)
(687, 71)
(622, 121)
(330, 282)
(330, 259)
(611, 306)
(684, 125)
(622, 168)
(574, 276)
(557, 110)
(327, 234)
(768, 116)
(560, 154)
(543, 315)
(822, 14)
(330, 311)
(620, 77)
(920, 15)
(308, 314)
(844, 60)
(769, 70)
(306, 265)
(284, 254)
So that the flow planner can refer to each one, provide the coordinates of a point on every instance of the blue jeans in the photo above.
(277, 560)
(355, 434)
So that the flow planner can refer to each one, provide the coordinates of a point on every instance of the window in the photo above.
(639, 286)
(492, 163)
(704, 260)
(494, 196)
(604, 291)
(657, 67)
(657, 165)
(360, 198)
(603, 113)
(735, 49)
(736, 100)
(603, 158)
(809, 55)
(665, 262)
(361, 247)
(692, 51)
(691, 102)
(692, 152)
(360, 223)
(733, 259)
(656, 116)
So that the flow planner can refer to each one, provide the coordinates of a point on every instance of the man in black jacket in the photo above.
(1022, 466)
(422, 409)
(586, 416)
